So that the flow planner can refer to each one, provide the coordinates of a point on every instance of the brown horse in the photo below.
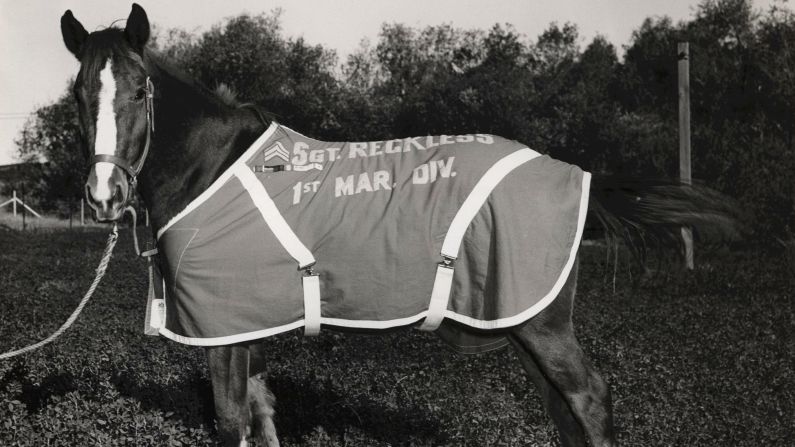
(125, 91)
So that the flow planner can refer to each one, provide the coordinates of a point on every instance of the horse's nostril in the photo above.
(118, 194)
(89, 195)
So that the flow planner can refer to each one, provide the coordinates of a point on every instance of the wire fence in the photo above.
(18, 212)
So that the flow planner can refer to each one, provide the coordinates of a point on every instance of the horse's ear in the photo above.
(74, 35)
(137, 29)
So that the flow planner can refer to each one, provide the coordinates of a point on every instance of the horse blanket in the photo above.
(371, 235)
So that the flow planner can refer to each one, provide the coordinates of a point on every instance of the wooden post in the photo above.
(83, 212)
(24, 222)
(14, 202)
(683, 55)
(146, 211)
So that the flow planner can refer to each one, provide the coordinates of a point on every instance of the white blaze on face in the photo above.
(105, 142)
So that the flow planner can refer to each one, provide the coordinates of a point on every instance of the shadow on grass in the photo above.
(35, 396)
(303, 405)
(190, 400)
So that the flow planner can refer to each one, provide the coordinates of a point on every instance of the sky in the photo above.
(36, 66)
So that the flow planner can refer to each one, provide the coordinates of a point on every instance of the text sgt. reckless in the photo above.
(303, 159)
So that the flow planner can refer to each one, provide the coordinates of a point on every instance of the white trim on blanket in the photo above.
(440, 296)
(386, 324)
(230, 339)
(549, 297)
(221, 180)
(478, 196)
(272, 217)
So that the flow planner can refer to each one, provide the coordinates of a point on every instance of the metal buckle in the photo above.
(447, 262)
(309, 270)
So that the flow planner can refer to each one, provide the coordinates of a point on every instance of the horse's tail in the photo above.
(648, 214)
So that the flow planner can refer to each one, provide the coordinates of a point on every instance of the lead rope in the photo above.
(103, 265)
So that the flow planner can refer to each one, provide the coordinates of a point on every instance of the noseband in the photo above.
(133, 169)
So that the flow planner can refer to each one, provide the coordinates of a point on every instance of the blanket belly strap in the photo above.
(311, 283)
(289, 240)
(440, 297)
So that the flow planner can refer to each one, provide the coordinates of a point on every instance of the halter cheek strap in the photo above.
(131, 169)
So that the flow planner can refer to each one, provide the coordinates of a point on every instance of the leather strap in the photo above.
(133, 169)
(118, 161)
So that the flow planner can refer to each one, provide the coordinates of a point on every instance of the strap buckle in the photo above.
(447, 262)
(308, 270)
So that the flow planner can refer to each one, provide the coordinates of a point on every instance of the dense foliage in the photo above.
(705, 360)
(583, 105)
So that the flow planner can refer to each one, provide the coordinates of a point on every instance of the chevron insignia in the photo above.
(277, 150)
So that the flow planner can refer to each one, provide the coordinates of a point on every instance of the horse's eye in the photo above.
(140, 94)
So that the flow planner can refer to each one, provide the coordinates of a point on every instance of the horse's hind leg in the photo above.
(570, 431)
(547, 342)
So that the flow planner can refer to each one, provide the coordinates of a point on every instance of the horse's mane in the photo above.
(222, 95)
(227, 94)
(111, 40)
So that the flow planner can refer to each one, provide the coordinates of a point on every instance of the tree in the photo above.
(53, 133)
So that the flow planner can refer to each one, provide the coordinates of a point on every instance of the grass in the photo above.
(697, 359)
(44, 223)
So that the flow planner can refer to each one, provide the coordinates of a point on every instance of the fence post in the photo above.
(14, 202)
(83, 212)
(24, 222)
(683, 55)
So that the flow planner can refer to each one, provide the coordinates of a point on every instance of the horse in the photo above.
(146, 129)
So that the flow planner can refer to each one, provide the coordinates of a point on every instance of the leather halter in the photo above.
(133, 169)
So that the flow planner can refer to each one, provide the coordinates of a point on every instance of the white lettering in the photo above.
(333, 153)
(375, 148)
(358, 150)
(485, 139)
(420, 175)
(446, 167)
(408, 142)
(381, 180)
(343, 187)
(391, 148)
(297, 193)
(432, 171)
(364, 183)
(317, 155)
(300, 153)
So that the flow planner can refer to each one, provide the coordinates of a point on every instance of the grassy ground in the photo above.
(44, 223)
(704, 359)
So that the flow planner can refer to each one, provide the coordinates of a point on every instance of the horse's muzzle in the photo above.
(110, 209)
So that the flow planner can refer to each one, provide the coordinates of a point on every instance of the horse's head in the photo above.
(114, 97)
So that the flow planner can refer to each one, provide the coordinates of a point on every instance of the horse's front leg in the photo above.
(260, 400)
(229, 374)
(241, 399)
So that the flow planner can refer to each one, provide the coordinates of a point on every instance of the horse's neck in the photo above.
(196, 138)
